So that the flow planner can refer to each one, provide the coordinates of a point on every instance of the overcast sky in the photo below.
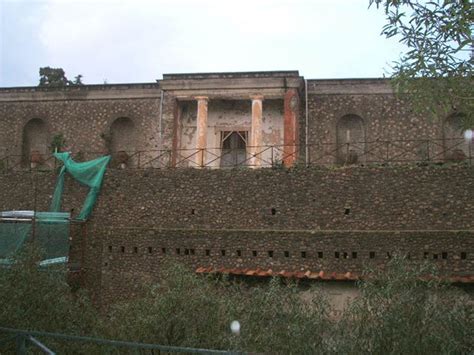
(139, 40)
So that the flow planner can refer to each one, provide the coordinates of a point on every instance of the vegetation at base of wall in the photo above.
(399, 310)
(34, 298)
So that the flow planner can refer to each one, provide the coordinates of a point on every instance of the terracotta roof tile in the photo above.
(308, 274)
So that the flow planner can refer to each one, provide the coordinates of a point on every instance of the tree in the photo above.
(77, 80)
(56, 77)
(436, 70)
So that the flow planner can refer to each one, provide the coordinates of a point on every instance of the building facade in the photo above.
(217, 120)
(314, 179)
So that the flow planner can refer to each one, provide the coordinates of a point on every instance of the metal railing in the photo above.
(323, 153)
(22, 339)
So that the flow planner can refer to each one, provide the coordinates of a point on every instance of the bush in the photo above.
(402, 310)
(398, 311)
(34, 298)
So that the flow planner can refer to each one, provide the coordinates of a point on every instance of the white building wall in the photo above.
(230, 115)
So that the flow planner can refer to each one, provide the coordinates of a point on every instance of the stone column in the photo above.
(290, 124)
(176, 133)
(256, 131)
(201, 133)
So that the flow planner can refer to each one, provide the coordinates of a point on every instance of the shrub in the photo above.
(400, 310)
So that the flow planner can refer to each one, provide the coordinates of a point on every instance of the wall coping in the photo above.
(184, 86)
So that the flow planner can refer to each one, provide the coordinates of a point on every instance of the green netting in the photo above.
(50, 233)
(90, 173)
(12, 237)
(51, 229)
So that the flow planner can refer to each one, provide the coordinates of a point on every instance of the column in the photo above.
(256, 132)
(290, 127)
(201, 132)
(176, 133)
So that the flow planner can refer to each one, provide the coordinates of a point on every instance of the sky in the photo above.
(133, 41)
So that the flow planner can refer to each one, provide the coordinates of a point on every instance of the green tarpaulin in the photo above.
(89, 173)
(50, 230)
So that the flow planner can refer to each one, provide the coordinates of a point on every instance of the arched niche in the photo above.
(35, 141)
(455, 145)
(122, 139)
(350, 139)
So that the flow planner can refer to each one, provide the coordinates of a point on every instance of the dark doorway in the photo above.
(234, 148)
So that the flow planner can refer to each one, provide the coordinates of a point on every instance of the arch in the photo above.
(455, 146)
(122, 135)
(350, 139)
(35, 141)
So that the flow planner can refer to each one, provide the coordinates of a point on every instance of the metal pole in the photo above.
(307, 120)
(35, 201)
(20, 345)
(428, 149)
(40, 345)
(470, 153)
(83, 252)
(160, 122)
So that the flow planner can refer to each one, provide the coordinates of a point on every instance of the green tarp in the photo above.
(89, 173)
(51, 229)
(51, 234)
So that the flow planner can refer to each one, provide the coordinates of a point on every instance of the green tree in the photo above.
(77, 80)
(56, 77)
(436, 69)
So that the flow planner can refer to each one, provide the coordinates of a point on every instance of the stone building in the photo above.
(227, 119)
(371, 177)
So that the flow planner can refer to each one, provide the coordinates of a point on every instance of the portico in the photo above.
(234, 119)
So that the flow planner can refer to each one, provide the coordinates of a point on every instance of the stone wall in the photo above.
(391, 127)
(334, 220)
(84, 117)
(129, 257)
(378, 198)
(382, 198)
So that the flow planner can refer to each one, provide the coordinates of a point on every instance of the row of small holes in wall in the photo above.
(273, 211)
(286, 254)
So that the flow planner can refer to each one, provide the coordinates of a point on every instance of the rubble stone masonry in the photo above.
(331, 220)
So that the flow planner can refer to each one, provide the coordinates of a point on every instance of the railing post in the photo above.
(308, 158)
(273, 163)
(202, 158)
(347, 152)
(428, 149)
(470, 152)
(20, 345)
